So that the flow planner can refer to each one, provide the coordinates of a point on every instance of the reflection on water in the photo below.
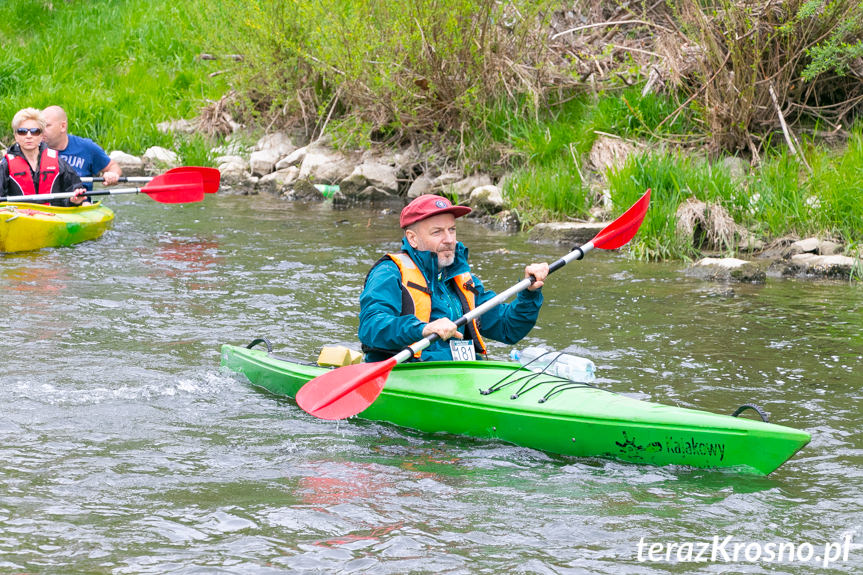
(186, 255)
(125, 450)
(329, 483)
(40, 289)
(32, 278)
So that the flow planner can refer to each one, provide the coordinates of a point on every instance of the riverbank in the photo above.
(382, 179)
(605, 110)
(721, 112)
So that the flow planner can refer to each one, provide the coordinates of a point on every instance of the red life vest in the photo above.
(49, 170)
(416, 297)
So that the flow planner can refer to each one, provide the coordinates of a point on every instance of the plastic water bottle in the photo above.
(571, 367)
(327, 190)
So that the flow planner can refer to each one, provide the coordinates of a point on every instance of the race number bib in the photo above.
(462, 350)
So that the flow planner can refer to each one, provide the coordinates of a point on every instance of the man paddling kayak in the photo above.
(424, 288)
(83, 154)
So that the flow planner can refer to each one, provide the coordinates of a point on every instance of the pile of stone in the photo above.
(276, 165)
(154, 161)
(806, 258)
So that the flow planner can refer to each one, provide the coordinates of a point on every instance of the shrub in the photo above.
(400, 68)
(743, 49)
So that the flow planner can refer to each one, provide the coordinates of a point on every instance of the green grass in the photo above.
(548, 151)
(785, 199)
(631, 115)
(552, 190)
(672, 180)
(195, 150)
(837, 183)
(118, 67)
(779, 199)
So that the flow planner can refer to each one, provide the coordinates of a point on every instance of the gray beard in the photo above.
(445, 261)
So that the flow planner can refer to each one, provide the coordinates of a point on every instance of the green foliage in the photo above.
(854, 250)
(543, 136)
(630, 114)
(470, 81)
(12, 72)
(117, 67)
(351, 132)
(401, 67)
(545, 151)
(827, 203)
(836, 185)
(832, 56)
(776, 200)
(194, 149)
(666, 176)
(441, 69)
(750, 47)
(842, 46)
(548, 149)
(548, 191)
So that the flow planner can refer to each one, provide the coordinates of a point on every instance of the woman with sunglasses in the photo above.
(31, 167)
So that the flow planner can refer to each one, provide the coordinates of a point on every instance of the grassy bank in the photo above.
(118, 67)
(548, 152)
(780, 196)
(486, 86)
(777, 199)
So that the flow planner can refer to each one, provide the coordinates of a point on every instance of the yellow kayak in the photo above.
(26, 226)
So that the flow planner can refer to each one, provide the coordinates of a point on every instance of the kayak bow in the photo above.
(25, 226)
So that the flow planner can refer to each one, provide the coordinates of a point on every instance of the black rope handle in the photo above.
(560, 388)
(761, 413)
(261, 340)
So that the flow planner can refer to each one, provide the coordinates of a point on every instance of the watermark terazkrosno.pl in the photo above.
(727, 550)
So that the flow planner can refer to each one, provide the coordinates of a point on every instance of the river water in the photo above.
(125, 450)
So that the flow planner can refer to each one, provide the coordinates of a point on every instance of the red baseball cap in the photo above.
(429, 205)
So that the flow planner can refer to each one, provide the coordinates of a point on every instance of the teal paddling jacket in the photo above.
(386, 331)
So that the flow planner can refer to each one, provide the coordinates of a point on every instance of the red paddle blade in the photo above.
(176, 188)
(621, 230)
(211, 176)
(345, 391)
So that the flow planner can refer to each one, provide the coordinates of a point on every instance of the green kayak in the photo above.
(504, 401)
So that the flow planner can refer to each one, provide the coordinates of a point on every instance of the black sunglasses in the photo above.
(23, 131)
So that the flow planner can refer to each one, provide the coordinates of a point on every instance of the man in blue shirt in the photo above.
(83, 154)
(428, 285)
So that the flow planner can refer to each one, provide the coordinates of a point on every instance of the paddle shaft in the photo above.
(128, 179)
(576, 254)
(62, 196)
